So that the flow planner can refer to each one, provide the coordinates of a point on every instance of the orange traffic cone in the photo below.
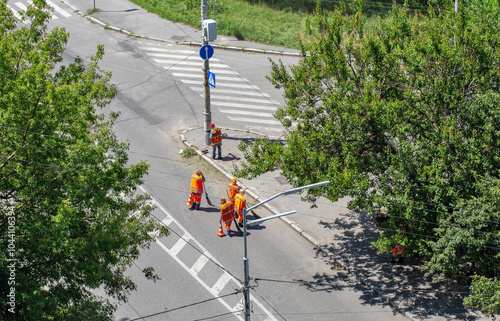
(190, 200)
(221, 233)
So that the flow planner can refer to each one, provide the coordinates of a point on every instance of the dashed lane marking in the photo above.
(200, 263)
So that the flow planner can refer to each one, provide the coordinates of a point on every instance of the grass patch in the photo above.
(91, 11)
(188, 153)
(280, 23)
(273, 22)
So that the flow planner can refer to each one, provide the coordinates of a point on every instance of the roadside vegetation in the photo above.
(71, 221)
(274, 22)
(399, 107)
(403, 117)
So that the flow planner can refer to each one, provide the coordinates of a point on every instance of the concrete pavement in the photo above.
(341, 236)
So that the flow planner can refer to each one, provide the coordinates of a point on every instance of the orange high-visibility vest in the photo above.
(233, 190)
(239, 204)
(216, 136)
(227, 212)
(196, 184)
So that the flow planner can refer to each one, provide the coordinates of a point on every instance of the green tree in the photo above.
(70, 220)
(404, 117)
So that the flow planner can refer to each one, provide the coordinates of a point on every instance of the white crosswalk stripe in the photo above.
(200, 76)
(55, 14)
(236, 105)
(58, 9)
(16, 14)
(234, 96)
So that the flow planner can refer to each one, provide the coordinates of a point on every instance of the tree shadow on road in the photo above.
(404, 284)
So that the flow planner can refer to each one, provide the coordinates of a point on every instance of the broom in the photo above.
(206, 195)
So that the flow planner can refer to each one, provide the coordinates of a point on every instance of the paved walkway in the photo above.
(343, 237)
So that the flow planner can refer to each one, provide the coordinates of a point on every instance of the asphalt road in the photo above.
(200, 272)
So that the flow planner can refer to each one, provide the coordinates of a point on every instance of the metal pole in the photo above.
(206, 88)
(246, 286)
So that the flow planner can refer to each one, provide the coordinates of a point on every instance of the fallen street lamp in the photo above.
(246, 286)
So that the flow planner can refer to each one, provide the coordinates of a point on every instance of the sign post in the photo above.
(206, 53)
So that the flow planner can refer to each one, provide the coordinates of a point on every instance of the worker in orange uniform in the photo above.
(226, 214)
(233, 190)
(240, 203)
(197, 181)
(216, 139)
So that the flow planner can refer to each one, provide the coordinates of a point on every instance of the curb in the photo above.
(320, 247)
(306, 235)
(184, 43)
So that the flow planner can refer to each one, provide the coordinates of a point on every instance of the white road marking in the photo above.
(58, 9)
(252, 127)
(199, 264)
(179, 245)
(223, 84)
(167, 220)
(197, 278)
(189, 52)
(236, 105)
(14, 12)
(31, 2)
(221, 71)
(180, 57)
(254, 120)
(200, 77)
(221, 283)
(245, 99)
(21, 6)
(234, 92)
(244, 112)
(208, 255)
(188, 63)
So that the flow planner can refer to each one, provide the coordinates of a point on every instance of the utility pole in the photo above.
(246, 285)
(206, 88)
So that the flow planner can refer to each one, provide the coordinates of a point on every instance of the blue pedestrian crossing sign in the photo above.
(211, 79)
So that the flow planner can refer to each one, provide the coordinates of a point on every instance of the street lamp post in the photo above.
(246, 286)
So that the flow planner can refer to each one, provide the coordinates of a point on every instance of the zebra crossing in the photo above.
(185, 249)
(234, 96)
(58, 12)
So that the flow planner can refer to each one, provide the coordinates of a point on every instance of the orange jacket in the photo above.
(227, 212)
(233, 190)
(216, 136)
(239, 203)
(196, 184)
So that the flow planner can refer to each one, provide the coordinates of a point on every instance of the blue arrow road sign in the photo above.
(211, 79)
(206, 52)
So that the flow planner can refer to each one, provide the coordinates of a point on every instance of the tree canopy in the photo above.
(70, 219)
(404, 117)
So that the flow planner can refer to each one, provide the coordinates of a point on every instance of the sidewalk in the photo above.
(128, 18)
(343, 237)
